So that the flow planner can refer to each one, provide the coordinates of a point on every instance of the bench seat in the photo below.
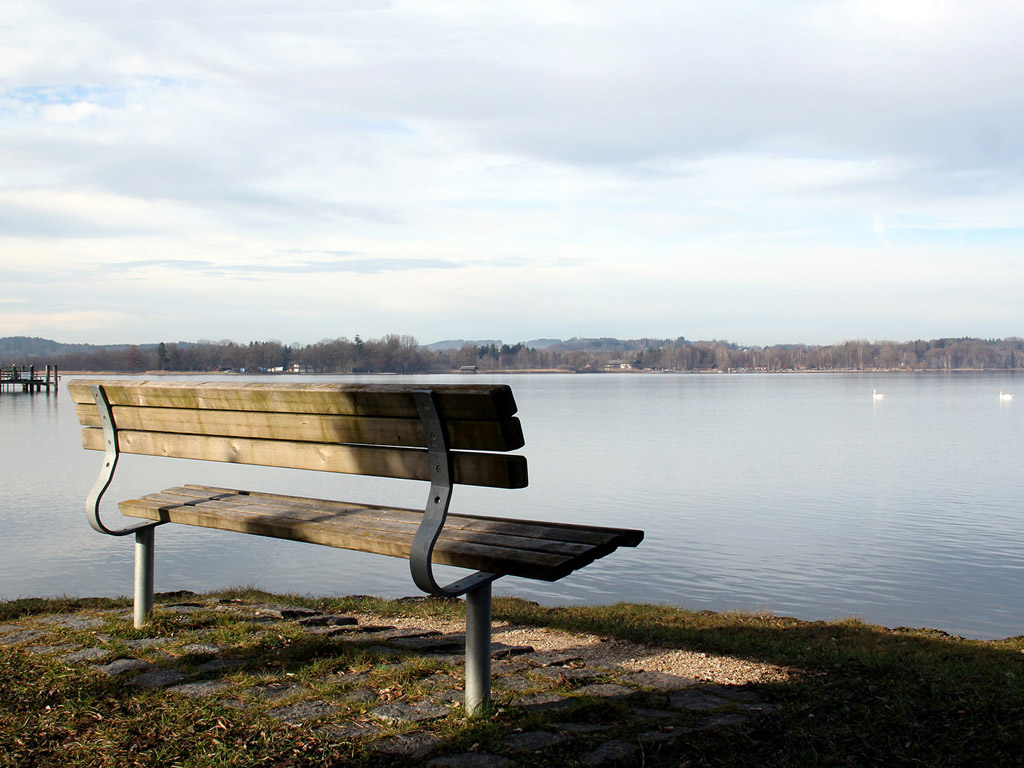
(535, 550)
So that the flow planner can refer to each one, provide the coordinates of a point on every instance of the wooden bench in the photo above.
(444, 435)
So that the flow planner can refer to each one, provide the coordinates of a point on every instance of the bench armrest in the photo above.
(92, 502)
(436, 435)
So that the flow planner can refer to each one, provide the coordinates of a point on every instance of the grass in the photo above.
(860, 695)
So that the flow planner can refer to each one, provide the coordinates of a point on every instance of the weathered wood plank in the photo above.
(466, 549)
(447, 552)
(485, 469)
(568, 532)
(506, 435)
(458, 401)
(399, 521)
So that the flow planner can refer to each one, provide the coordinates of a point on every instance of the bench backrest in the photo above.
(366, 429)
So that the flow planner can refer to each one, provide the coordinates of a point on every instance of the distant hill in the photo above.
(17, 349)
(449, 344)
(542, 343)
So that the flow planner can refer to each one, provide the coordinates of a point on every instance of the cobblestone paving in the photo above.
(651, 707)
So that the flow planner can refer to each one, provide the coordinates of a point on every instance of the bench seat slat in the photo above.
(462, 401)
(487, 469)
(506, 435)
(569, 532)
(528, 555)
(342, 516)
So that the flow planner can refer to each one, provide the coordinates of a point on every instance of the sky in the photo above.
(298, 170)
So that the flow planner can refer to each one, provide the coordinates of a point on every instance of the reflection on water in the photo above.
(799, 494)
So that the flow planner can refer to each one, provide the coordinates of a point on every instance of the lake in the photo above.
(798, 494)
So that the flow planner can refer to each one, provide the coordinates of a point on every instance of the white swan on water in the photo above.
(1005, 395)
(877, 395)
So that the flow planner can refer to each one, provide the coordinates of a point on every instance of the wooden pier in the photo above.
(26, 379)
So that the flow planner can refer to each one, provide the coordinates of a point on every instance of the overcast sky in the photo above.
(761, 172)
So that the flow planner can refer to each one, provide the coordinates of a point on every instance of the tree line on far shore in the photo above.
(403, 354)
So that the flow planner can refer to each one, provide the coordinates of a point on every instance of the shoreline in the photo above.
(557, 371)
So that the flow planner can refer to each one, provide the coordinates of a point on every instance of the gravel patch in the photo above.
(595, 651)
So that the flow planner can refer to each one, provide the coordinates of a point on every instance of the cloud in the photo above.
(67, 324)
(246, 154)
(253, 270)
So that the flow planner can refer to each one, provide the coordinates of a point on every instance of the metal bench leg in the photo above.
(478, 648)
(143, 575)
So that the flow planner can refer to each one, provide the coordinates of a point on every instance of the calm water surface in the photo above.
(797, 494)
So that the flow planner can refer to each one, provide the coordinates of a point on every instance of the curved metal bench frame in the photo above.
(143, 531)
(476, 587)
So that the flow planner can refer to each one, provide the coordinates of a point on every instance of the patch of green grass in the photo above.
(858, 695)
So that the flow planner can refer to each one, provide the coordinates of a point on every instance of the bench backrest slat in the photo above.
(504, 435)
(357, 429)
(458, 401)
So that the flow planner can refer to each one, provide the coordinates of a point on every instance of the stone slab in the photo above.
(159, 678)
(334, 620)
(200, 688)
(513, 683)
(304, 711)
(555, 658)
(732, 693)
(583, 728)
(534, 741)
(350, 732)
(292, 614)
(722, 720)
(24, 636)
(219, 665)
(567, 674)
(543, 702)
(504, 651)
(184, 607)
(606, 691)
(394, 634)
(86, 654)
(652, 714)
(403, 712)
(660, 681)
(470, 760)
(275, 691)
(201, 649)
(412, 745)
(664, 734)
(73, 622)
(50, 650)
(123, 666)
(428, 644)
(611, 752)
(697, 701)
(141, 643)
(360, 696)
